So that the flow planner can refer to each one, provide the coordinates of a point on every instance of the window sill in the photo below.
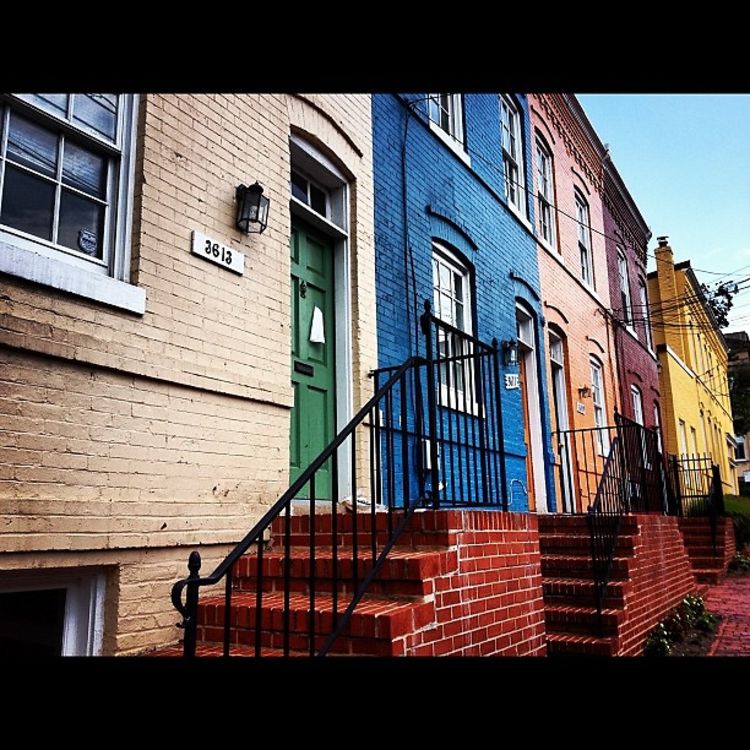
(52, 272)
(517, 213)
(457, 148)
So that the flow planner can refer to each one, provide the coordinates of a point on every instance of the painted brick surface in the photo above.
(693, 357)
(637, 366)
(575, 310)
(435, 194)
(123, 434)
(457, 583)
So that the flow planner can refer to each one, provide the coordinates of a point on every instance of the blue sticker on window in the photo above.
(87, 241)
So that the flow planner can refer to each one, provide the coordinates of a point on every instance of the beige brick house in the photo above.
(146, 391)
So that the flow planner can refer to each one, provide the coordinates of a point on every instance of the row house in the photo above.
(693, 355)
(148, 334)
(378, 367)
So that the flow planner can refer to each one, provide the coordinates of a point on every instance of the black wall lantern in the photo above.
(510, 352)
(252, 209)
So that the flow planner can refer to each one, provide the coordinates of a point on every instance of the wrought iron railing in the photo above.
(614, 470)
(341, 555)
(696, 489)
(464, 452)
(431, 435)
(582, 456)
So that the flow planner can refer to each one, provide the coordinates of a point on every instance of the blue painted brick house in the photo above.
(453, 226)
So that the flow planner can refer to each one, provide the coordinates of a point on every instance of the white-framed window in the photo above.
(447, 113)
(312, 194)
(66, 187)
(584, 239)
(55, 614)
(597, 395)
(511, 136)
(625, 303)
(637, 401)
(452, 303)
(739, 451)
(646, 314)
(545, 193)
(657, 427)
(682, 436)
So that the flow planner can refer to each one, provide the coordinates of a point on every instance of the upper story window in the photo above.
(739, 451)
(452, 302)
(512, 142)
(625, 303)
(311, 194)
(446, 111)
(646, 315)
(584, 239)
(637, 401)
(597, 394)
(66, 188)
(545, 193)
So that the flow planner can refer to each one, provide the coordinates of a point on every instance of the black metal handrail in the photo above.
(629, 480)
(464, 457)
(696, 489)
(364, 537)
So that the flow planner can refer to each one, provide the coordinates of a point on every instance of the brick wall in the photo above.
(134, 433)
(637, 366)
(573, 308)
(490, 603)
(660, 577)
(464, 207)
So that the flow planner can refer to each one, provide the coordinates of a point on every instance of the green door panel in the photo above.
(313, 417)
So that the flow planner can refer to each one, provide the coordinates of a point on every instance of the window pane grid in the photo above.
(82, 182)
(445, 110)
(510, 137)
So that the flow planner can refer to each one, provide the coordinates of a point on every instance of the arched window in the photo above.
(625, 303)
(545, 190)
(600, 410)
(645, 313)
(637, 401)
(512, 141)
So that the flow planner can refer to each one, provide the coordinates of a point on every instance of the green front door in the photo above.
(313, 346)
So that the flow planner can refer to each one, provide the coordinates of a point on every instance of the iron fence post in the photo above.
(431, 404)
(191, 604)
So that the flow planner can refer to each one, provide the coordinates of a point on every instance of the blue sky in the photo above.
(686, 162)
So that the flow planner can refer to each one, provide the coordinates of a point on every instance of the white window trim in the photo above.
(553, 244)
(451, 397)
(458, 147)
(520, 209)
(643, 302)
(83, 621)
(603, 437)
(628, 299)
(34, 259)
(457, 114)
(588, 245)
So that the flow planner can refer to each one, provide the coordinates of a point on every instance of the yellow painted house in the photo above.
(693, 357)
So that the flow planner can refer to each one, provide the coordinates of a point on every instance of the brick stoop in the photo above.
(461, 583)
(708, 567)
(650, 574)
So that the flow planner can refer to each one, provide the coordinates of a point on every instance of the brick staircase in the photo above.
(457, 582)
(708, 567)
(650, 574)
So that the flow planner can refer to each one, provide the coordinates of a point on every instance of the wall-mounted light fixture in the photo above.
(584, 391)
(510, 352)
(252, 209)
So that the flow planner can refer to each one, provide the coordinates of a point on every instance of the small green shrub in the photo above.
(675, 626)
(706, 622)
(657, 643)
(740, 563)
(692, 608)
